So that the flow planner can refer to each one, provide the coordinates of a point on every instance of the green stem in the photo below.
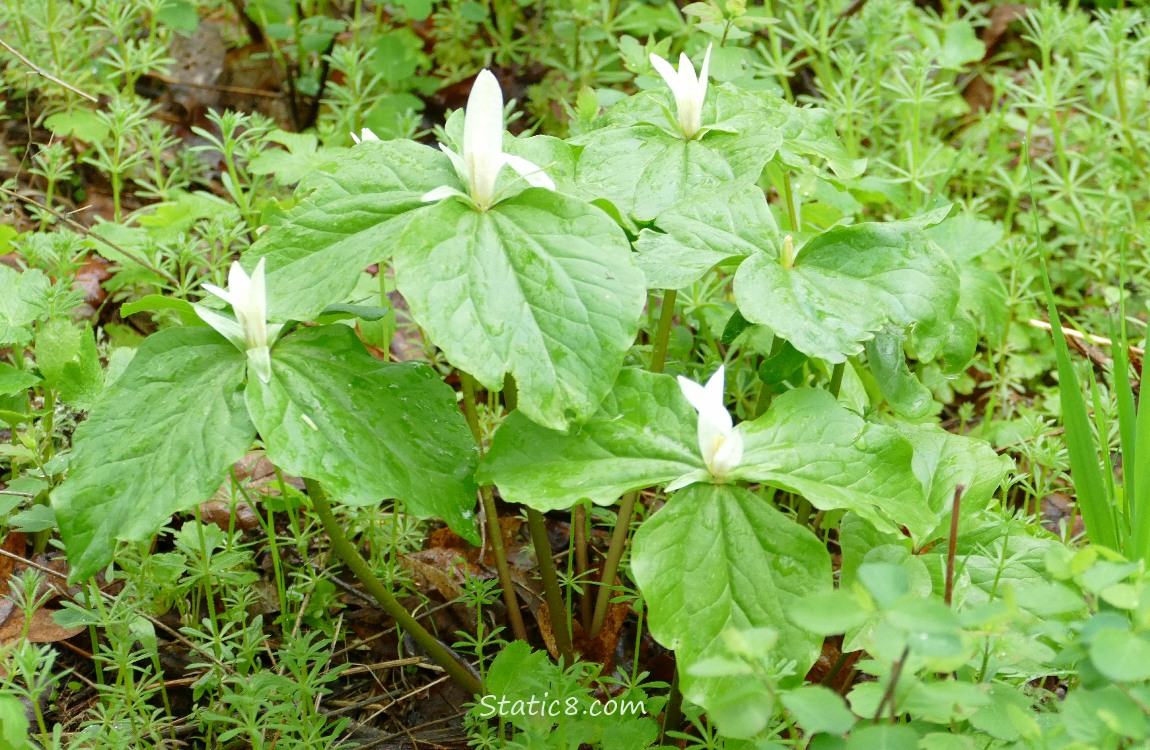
(582, 564)
(611, 563)
(494, 530)
(837, 378)
(673, 713)
(551, 592)
(663, 333)
(359, 567)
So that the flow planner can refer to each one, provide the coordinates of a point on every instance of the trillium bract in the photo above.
(483, 156)
(689, 90)
(249, 331)
(719, 442)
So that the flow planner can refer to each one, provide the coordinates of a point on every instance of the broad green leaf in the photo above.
(943, 460)
(807, 443)
(644, 170)
(644, 434)
(21, 303)
(158, 441)
(153, 302)
(829, 613)
(1120, 655)
(811, 132)
(905, 394)
(846, 284)
(696, 235)
(716, 558)
(960, 45)
(740, 131)
(819, 709)
(14, 381)
(66, 357)
(349, 220)
(541, 287)
(13, 724)
(883, 737)
(365, 429)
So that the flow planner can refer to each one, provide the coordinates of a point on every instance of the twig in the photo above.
(1099, 340)
(952, 543)
(77, 226)
(45, 74)
(888, 694)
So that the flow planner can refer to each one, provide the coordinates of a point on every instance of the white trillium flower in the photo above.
(483, 156)
(364, 135)
(249, 331)
(689, 90)
(719, 442)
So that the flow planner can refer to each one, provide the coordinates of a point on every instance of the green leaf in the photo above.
(699, 233)
(780, 366)
(13, 381)
(644, 170)
(13, 724)
(904, 393)
(349, 220)
(367, 430)
(640, 162)
(819, 709)
(1120, 655)
(883, 737)
(829, 613)
(847, 284)
(80, 122)
(158, 441)
(34, 518)
(718, 557)
(67, 359)
(179, 15)
(809, 131)
(21, 303)
(809, 444)
(153, 302)
(943, 460)
(960, 45)
(644, 434)
(541, 287)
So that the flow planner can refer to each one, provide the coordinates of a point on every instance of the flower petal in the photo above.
(701, 85)
(364, 135)
(668, 73)
(223, 294)
(483, 117)
(529, 171)
(223, 325)
(686, 73)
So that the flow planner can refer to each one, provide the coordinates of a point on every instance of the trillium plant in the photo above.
(552, 286)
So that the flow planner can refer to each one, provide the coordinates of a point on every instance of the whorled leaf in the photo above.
(643, 435)
(541, 287)
(349, 219)
(719, 557)
(694, 236)
(367, 430)
(159, 440)
(640, 162)
(809, 444)
(846, 284)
